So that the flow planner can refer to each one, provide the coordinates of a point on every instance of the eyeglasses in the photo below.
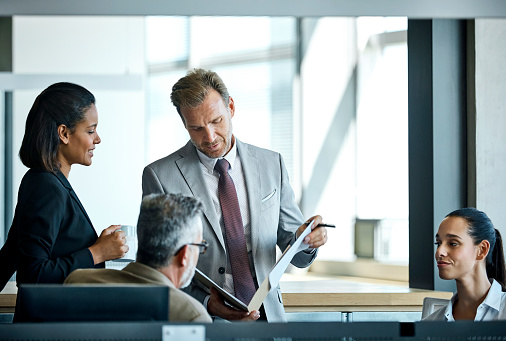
(202, 246)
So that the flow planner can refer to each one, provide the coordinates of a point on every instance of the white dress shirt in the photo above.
(211, 179)
(491, 309)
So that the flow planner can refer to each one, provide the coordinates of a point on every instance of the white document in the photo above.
(279, 268)
(270, 282)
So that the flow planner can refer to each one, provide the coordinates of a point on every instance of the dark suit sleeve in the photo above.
(290, 218)
(52, 235)
(8, 258)
(197, 291)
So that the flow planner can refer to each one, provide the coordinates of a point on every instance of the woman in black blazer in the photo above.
(51, 234)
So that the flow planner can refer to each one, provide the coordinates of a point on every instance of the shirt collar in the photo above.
(209, 162)
(449, 308)
(493, 299)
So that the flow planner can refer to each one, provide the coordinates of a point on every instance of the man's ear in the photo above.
(183, 256)
(63, 133)
(231, 106)
(483, 249)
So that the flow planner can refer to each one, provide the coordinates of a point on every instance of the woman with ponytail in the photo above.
(469, 251)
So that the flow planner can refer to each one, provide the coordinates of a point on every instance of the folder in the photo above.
(270, 282)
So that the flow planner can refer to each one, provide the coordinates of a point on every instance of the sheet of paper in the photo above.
(259, 296)
(278, 270)
(286, 258)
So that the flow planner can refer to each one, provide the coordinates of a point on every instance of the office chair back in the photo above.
(431, 304)
(91, 302)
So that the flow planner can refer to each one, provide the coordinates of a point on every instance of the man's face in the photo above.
(194, 256)
(210, 125)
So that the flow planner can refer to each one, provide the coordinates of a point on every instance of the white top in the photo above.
(492, 308)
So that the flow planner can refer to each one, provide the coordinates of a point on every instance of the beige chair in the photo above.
(431, 304)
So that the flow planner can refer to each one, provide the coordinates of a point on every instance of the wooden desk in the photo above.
(306, 293)
(8, 298)
(348, 294)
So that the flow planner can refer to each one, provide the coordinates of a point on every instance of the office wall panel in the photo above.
(78, 44)
(106, 55)
(490, 53)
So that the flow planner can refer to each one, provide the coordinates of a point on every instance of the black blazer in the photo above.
(50, 232)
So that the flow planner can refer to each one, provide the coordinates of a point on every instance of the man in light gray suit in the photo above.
(266, 200)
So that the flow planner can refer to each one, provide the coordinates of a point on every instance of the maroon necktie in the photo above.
(234, 231)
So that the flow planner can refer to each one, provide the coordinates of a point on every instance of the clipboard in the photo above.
(231, 299)
(270, 282)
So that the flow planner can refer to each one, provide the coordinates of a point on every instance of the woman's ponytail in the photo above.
(496, 268)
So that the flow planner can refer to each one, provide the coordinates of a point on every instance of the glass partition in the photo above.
(329, 94)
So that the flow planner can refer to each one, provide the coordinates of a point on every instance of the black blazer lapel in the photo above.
(64, 181)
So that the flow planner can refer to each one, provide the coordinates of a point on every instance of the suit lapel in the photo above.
(250, 168)
(189, 166)
(73, 195)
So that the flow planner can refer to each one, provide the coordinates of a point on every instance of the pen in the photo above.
(320, 225)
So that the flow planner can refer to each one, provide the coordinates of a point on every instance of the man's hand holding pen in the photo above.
(318, 235)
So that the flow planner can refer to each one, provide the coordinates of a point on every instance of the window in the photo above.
(339, 118)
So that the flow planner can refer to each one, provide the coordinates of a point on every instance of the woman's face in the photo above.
(456, 254)
(82, 141)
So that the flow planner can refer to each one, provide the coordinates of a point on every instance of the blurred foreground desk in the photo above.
(8, 298)
(258, 331)
(308, 295)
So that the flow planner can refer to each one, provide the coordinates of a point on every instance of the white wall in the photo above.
(322, 98)
(110, 189)
(491, 120)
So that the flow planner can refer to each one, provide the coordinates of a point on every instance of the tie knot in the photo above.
(222, 166)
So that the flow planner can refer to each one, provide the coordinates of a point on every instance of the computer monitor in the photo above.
(92, 302)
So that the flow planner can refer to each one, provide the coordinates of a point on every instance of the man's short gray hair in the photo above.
(165, 224)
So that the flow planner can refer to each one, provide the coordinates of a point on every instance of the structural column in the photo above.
(437, 112)
(6, 129)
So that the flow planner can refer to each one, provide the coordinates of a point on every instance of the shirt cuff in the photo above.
(206, 300)
(310, 251)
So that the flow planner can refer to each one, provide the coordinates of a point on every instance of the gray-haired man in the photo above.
(169, 230)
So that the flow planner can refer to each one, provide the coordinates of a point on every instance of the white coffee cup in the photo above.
(131, 241)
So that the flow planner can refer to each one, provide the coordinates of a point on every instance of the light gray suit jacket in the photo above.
(274, 215)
